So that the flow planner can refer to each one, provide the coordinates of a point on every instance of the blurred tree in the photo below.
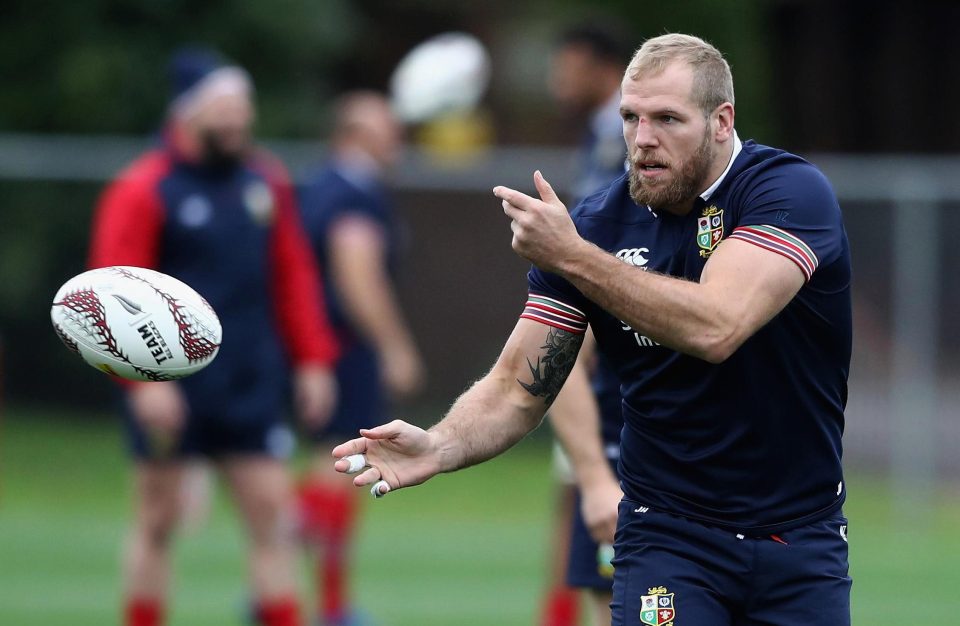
(100, 65)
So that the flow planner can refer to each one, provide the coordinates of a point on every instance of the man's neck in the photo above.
(721, 163)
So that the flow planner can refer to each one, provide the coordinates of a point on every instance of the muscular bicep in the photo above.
(751, 284)
(535, 363)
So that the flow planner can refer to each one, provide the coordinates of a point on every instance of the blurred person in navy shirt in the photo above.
(357, 237)
(208, 207)
(586, 68)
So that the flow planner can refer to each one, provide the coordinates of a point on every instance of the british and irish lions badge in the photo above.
(656, 608)
(709, 230)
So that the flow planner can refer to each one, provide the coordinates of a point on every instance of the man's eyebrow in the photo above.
(655, 112)
(668, 111)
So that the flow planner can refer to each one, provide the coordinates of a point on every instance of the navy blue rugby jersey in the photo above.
(341, 192)
(606, 388)
(754, 443)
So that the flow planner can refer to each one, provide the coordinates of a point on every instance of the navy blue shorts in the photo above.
(231, 412)
(587, 567)
(213, 437)
(673, 571)
(360, 399)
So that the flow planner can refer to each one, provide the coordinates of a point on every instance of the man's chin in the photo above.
(647, 193)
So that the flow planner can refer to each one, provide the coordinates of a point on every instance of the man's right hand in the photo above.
(401, 454)
(161, 409)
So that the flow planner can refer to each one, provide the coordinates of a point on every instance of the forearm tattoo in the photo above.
(554, 365)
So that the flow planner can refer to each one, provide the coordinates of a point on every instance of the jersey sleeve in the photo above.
(792, 210)
(553, 301)
(297, 294)
(128, 223)
(343, 205)
(128, 219)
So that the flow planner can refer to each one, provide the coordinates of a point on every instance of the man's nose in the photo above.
(645, 135)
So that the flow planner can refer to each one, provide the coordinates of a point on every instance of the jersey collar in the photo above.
(737, 147)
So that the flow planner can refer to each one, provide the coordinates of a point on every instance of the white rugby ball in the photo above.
(444, 74)
(136, 323)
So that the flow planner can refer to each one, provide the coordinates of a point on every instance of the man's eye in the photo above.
(629, 117)
(668, 119)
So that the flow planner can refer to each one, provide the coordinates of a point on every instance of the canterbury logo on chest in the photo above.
(634, 256)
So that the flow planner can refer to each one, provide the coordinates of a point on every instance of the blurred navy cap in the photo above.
(189, 65)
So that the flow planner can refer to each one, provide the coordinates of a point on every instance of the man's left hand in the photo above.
(543, 232)
(315, 394)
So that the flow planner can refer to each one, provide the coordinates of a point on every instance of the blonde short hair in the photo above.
(712, 80)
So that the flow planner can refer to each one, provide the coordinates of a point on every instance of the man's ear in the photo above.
(723, 118)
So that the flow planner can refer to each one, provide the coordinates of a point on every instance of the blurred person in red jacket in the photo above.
(209, 208)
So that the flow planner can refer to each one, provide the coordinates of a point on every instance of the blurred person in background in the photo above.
(211, 209)
(355, 232)
(585, 74)
(586, 70)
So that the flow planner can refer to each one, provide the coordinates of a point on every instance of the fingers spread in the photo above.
(380, 489)
(371, 475)
(385, 431)
(354, 446)
(355, 463)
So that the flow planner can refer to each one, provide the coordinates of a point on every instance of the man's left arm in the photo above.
(741, 287)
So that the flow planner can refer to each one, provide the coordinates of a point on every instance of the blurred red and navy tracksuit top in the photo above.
(234, 235)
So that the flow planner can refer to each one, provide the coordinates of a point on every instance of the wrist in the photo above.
(579, 255)
(595, 474)
(444, 451)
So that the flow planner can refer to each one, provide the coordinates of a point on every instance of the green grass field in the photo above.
(467, 549)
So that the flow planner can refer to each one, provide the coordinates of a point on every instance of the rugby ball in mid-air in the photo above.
(444, 74)
(136, 323)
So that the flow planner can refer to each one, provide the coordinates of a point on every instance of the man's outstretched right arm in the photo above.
(491, 416)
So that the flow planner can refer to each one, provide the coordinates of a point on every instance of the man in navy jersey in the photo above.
(732, 343)
(355, 233)
(208, 208)
(585, 74)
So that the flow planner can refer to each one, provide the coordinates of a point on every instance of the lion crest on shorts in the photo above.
(656, 608)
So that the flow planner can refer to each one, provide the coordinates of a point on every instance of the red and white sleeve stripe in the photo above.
(782, 243)
(553, 312)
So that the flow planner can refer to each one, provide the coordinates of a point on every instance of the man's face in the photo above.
(571, 79)
(384, 136)
(669, 141)
(223, 127)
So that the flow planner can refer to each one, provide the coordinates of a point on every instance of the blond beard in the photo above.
(683, 188)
